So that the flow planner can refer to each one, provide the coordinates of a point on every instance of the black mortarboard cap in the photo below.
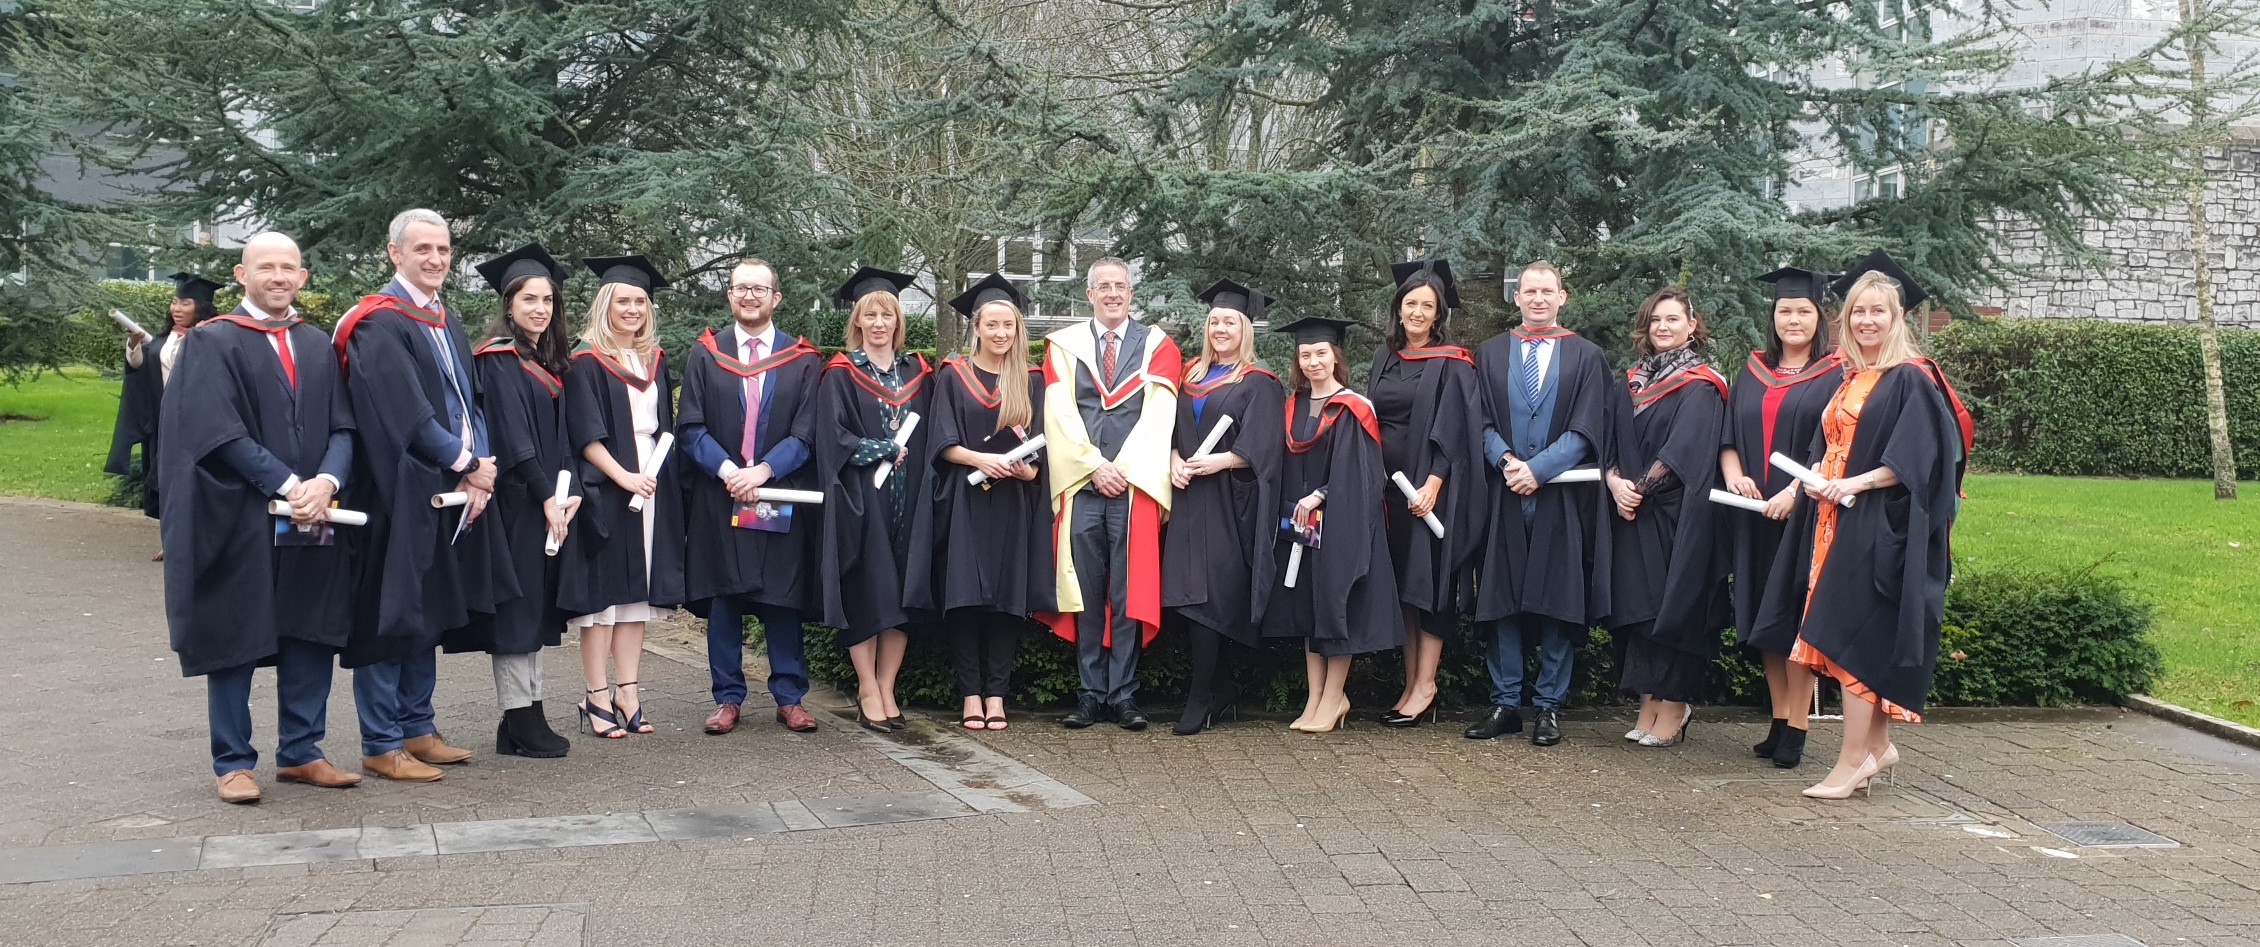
(1790, 282)
(1911, 293)
(629, 270)
(871, 279)
(530, 260)
(991, 288)
(1252, 303)
(1442, 269)
(192, 286)
(1317, 329)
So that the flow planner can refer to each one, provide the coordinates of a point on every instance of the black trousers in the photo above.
(1099, 539)
(984, 643)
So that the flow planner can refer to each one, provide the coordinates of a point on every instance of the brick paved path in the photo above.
(1249, 835)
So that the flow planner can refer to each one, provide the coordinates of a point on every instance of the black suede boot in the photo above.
(525, 732)
(1764, 748)
(1791, 750)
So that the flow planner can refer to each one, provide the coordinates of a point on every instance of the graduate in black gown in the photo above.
(1216, 556)
(1776, 405)
(1424, 389)
(1669, 605)
(521, 368)
(407, 364)
(981, 555)
(1544, 574)
(623, 567)
(865, 402)
(258, 416)
(149, 366)
(1342, 600)
(1864, 586)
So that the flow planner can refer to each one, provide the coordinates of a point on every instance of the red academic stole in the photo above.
(504, 346)
(1962, 417)
(373, 303)
(1338, 403)
(619, 371)
(1198, 390)
(279, 327)
(863, 380)
(1549, 332)
(1452, 352)
(1163, 365)
(1777, 388)
(983, 395)
(1675, 381)
(744, 369)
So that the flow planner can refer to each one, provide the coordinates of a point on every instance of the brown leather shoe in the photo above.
(239, 788)
(398, 765)
(725, 719)
(318, 773)
(796, 719)
(431, 749)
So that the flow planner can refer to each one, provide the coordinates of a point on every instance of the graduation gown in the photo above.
(1441, 435)
(231, 594)
(1556, 562)
(1667, 567)
(1217, 566)
(1767, 412)
(1345, 597)
(422, 578)
(721, 559)
(1873, 615)
(864, 550)
(526, 429)
(987, 547)
(140, 400)
(604, 554)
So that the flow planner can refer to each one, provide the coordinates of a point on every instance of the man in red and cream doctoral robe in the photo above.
(1110, 396)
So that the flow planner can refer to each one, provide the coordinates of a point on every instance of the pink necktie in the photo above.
(750, 445)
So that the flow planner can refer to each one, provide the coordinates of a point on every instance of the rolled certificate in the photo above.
(1294, 562)
(659, 454)
(333, 514)
(1805, 475)
(1578, 475)
(1405, 487)
(441, 501)
(769, 495)
(126, 322)
(1215, 434)
(1027, 449)
(1723, 498)
(909, 424)
(564, 489)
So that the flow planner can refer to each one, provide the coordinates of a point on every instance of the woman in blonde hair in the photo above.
(1863, 586)
(981, 554)
(1216, 560)
(625, 567)
(865, 404)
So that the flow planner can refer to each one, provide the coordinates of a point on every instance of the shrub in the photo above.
(2044, 638)
(2088, 398)
(92, 338)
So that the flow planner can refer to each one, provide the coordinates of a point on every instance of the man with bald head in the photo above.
(257, 417)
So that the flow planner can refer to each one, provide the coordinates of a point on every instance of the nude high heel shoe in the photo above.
(1861, 777)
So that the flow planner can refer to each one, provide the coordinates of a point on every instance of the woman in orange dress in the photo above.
(1866, 601)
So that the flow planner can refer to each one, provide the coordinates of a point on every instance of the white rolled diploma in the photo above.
(769, 495)
(1215, 435)
(441, 501)
(659, 454)
(550, 546)
(1405, 487)
(1027, 449)
(126, 322)
(1578, 475)
(333, 514)
(1724, 498)
(1805, 475)
(1294, 562)
(909, 424)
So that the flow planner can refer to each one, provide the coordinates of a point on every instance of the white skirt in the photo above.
(645, 405)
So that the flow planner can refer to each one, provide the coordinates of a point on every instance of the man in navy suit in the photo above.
(427, 571)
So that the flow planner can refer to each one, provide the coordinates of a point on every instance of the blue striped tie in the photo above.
(1530, 370)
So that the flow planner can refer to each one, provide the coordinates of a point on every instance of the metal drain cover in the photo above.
(2078, 940)
(519, 925)
(2108, 835)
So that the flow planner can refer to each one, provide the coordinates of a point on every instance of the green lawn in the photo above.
(2197, 559)
(60, 454)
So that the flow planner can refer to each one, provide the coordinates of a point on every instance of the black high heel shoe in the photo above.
(1391, 718)
(591, 713)
(635, 722)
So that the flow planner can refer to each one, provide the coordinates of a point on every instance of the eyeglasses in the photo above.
(751, 292)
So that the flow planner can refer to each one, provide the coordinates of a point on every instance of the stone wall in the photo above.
(2151, 277)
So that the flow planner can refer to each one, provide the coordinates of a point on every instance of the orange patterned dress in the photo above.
(1838, 423)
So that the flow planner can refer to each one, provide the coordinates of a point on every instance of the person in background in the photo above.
(149, 368)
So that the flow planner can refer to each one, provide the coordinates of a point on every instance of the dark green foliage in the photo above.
(88, 336)
(2099, 399)
(2044, 638)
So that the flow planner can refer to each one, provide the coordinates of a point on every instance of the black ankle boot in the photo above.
(1791, 750)
(525, 732)
(1773, 739)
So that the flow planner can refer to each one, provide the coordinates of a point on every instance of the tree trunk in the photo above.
(2208, 332)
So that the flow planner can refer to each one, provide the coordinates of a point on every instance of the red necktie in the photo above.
(750, 444)
(282, 348)
(1106, 362)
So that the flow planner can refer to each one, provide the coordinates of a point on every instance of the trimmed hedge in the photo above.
(2012, 636)
(93, 339)
(2088, 398)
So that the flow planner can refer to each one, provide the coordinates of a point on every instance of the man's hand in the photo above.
(1519, 477)
(1744, 486)
(481, 475)
(1109, 480)
(1424, 499)
(742, 485)
(1626, 495)
(1307, 507)
(479, 497)
(1779, 506)
(311, 501)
